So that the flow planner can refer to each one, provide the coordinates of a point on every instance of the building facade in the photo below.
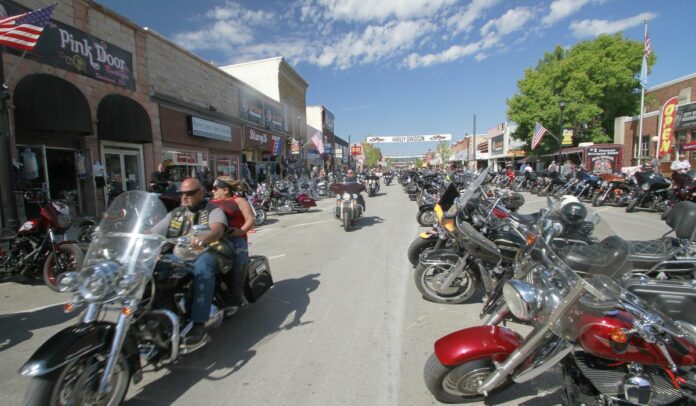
(626, 128)
(320, 119)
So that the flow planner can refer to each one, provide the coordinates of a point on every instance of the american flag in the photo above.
(23, 31)
(648, 46)
(539, 132)
(318, 142)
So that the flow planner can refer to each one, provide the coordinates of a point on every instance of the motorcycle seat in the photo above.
(682, 220)
(658, 250)
(604, 258)
(524, 218)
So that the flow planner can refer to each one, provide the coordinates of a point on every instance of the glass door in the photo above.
(123, 170)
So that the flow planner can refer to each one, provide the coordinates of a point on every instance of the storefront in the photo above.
(685, 128)
(263, 151)
(199, 147)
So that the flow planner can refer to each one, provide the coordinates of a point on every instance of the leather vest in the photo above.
(180, 225)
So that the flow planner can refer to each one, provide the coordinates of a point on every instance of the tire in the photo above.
(423, 276)
(346, 220)
(458, 384)
(303, 210)
(426, 218)
(418, 246)
(71, 255)
(46, 389)
(260, 217)
(631, 206)
(597, 201)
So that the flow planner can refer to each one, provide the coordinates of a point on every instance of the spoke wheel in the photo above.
(431, 281)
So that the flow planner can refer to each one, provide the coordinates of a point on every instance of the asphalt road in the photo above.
(343, 325)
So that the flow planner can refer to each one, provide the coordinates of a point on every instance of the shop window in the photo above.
(644, 150)
(189, 164)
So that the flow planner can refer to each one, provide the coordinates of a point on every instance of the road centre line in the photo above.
(294, 225)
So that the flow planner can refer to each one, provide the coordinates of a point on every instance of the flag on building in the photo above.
(23, 31)
(539, 132)
(318, 142)
(276, 146)
(647, 50)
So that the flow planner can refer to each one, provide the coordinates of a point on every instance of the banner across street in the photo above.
(409, 138)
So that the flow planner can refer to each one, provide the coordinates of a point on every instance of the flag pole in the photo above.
(642, 100)
(14, 68)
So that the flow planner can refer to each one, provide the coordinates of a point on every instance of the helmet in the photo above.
(514, 201)
(573, 213)
(568, 199)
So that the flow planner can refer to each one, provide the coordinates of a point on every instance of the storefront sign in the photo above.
(666, 127)
(410, 138)
(686, 116)
(567, 137)
(70, 49)
(497, 143)
(356, 150)
(255, 138)
(603, 159)
(482, 146)
(209, 129)
(295, 147)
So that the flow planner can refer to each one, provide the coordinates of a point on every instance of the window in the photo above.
(644, 149)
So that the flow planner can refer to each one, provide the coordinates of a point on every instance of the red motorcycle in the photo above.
(40, 250)
(281, 198)
(633, 343)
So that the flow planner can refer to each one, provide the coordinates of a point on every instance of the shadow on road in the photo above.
(544, 388)
(232, 345)
(369, 221)
(18, 327)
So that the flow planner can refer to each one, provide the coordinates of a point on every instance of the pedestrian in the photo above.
(679, 169)
(553, 168)
(528, 168)
(567, 168)
(244, 171)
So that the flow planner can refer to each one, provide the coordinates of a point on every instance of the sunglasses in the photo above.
(189, 193)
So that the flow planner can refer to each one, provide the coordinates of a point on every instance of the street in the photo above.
(343, 325)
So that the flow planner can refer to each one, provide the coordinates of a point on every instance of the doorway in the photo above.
(123, 166)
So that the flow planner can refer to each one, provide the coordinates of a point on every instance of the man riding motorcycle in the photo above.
(350, 177)
(196, 210)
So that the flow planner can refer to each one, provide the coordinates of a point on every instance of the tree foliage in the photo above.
(373, 155)
(444, 150)
(598, 81)
(418, 163)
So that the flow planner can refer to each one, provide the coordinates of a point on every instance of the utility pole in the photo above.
(7, 187)
(561, 105)
(350, 151)
(475, 163)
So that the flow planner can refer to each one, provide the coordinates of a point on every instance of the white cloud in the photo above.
(380, 10)
(509, 22)
(453, 53)
(593, 28)
(375, 42)
(463, 20)
(561, 9)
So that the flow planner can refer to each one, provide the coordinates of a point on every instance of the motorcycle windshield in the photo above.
(472, 187)
(347, 187)
(123, 235)
(578, 280)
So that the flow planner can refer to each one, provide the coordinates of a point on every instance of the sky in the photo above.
(410, 67)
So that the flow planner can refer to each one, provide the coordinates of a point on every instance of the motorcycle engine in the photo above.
(287, 207)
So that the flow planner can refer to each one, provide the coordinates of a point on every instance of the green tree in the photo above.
(597, 80)
(418, 162)
(444, 150)
(373, 155)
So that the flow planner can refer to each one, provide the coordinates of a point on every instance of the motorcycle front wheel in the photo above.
(429, 281)
(260, 216)
(426, 218)
(71, 258)
(346, 221)
(77, 382)
(418, 246)
(458, 384)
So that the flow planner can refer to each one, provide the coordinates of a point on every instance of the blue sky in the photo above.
(407, 67)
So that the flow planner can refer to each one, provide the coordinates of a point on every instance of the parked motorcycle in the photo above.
(347, 208)
(281, 200)
(652, 192)
(613, 189)
(614, 347)
(39, 249)
(94, 361)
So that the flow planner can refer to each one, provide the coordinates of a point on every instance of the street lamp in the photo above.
(561, 105)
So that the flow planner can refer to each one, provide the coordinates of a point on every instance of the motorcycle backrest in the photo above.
(682, 219)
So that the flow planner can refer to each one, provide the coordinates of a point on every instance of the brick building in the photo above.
(626, 128)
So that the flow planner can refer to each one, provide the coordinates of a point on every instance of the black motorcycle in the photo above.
(652, 192)
(94, 361)
(347, 208)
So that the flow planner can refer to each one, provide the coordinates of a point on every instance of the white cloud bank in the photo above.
(592, 28)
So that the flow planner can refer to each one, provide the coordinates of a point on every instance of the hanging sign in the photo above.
(410, 138)
(567, 137)
(667, 119)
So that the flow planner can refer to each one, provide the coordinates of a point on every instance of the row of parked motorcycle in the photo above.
(645, 189)
(614, 315)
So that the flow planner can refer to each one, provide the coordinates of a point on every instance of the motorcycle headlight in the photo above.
(355, 196)
(338, 196)
(128, 283)
(645, 186)
(98, 282)
(346, 196)
(523, 300)
(67, 281)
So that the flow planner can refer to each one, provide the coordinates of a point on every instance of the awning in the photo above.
(123, 119)
(49, 104)
(689, 146)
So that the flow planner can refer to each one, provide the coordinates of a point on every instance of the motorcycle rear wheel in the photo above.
(458, 384)
(597, 201)
(468, 284)
(83, 373)
(631, 206)
(71, 256)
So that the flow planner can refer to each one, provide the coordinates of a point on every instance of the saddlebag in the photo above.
(259, 278)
